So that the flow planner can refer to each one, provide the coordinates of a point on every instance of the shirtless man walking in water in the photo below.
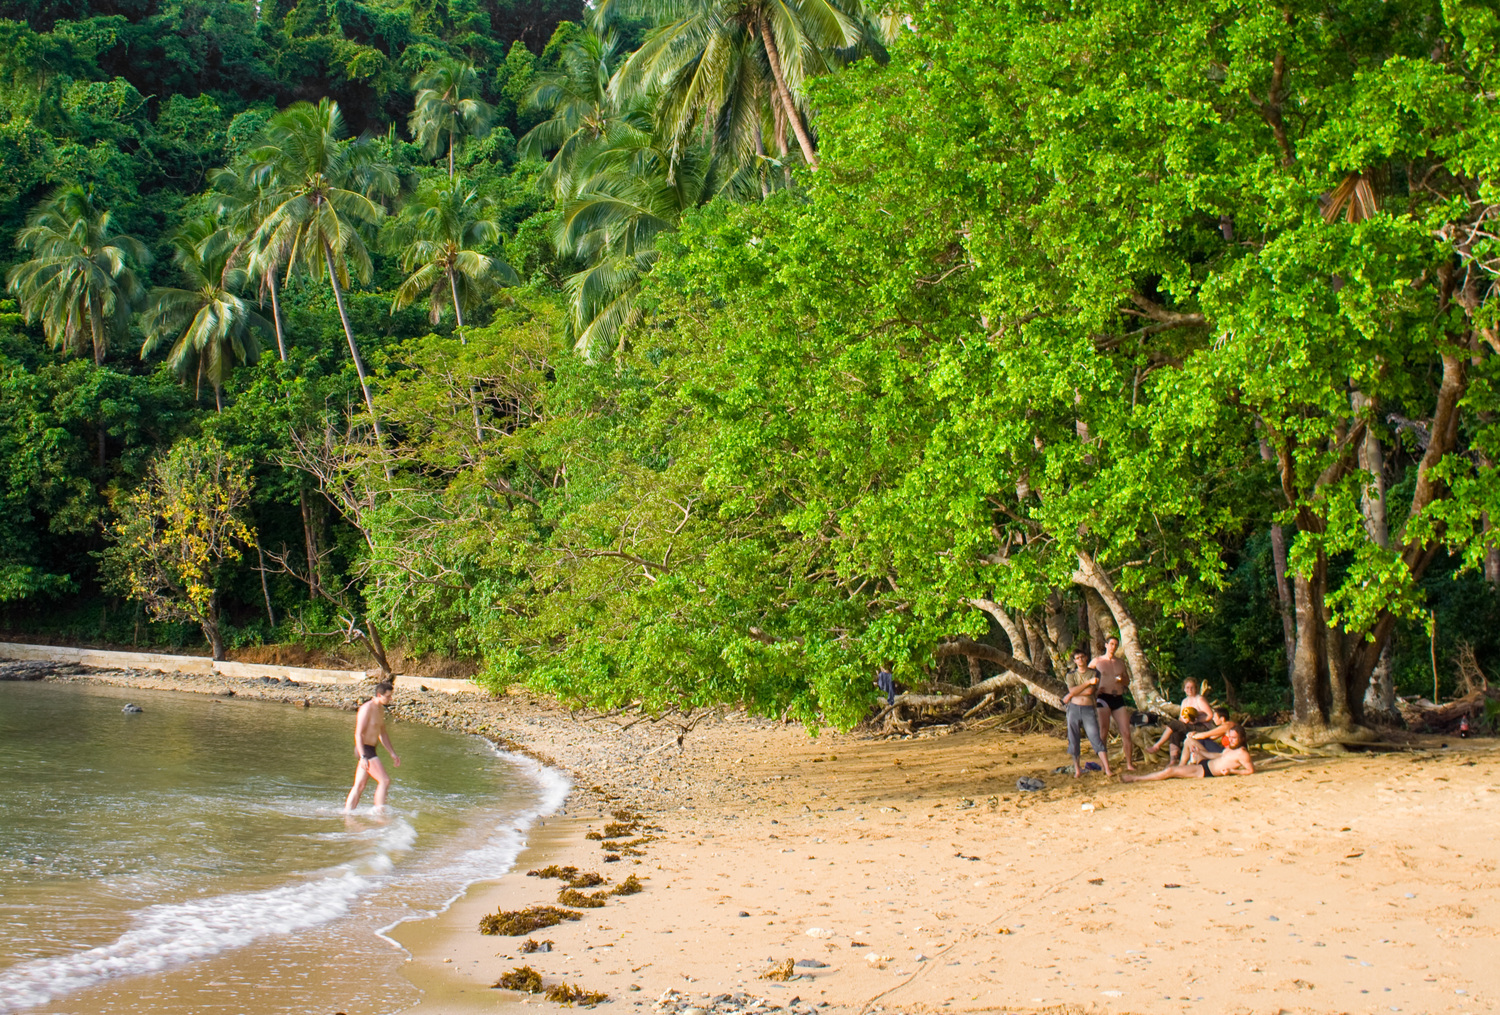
(369, 730)
(1111, 696)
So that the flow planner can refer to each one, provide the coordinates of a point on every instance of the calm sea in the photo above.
(194, 857)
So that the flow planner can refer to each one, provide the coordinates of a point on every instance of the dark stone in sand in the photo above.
(812, 964)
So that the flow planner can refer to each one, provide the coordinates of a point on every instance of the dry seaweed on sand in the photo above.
(573, 897)
(593, 836)
(574, 878)
(554, 871)
(531, 944)
(517, 922)
(630, 816)
(781, 972)
(629, 886)
(620, 829)
(567, 993)
(522, 978)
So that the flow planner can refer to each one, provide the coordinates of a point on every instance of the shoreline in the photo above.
(911, 875)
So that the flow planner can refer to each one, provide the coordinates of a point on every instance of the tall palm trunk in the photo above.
(96, 327)
(276, 315)
(458, 315)
(774, 59)
(450, 153)
(359, 364)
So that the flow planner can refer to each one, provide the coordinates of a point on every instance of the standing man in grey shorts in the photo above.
(1081, 711)
(1112, 707)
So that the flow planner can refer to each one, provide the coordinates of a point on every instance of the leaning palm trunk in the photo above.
(276, 315)
(458, 316)
(774, 59)
(359, 365)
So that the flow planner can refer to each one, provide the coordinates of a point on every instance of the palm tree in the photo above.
(581, 104)
(208, 326)
(242, 205)
(440, 235)
(707, 56)
(446, 103)
(79, 281)
(320, 187)
(631, 189)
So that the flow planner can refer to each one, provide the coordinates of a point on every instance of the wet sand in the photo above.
(920, 879)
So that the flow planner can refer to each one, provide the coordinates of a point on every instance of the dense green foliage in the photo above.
(827, 335)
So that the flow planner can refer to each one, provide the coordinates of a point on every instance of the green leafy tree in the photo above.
(178, 534)
(80, 282)
(446, 104)
(323, 188)
(242, 205)
(441, 235)
(208, 327)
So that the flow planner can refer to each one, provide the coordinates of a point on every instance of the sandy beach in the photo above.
(911, 875)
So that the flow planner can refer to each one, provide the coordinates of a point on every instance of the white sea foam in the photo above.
(176, 933)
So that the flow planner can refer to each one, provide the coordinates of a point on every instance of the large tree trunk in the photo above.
(309, 541)
(1379, 697)
(210, 625)
(96, 326)
(1278, 565)
(1142, 686)
(376, 646)
(773, 58)
(1046, 688)
(1018, 644)
(1417, 555)
(1307, 659)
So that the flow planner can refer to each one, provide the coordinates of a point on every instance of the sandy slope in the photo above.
(1361, 885)
(1365, 884)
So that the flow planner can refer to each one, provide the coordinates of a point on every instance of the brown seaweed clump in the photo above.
(517, 922)
(522, 978)
(619, 829)
(554, 871)
(567, 993)
(593, 836)
(629, 886)
(573, 897)
(575, 879)
(781, 972)
(531, 944)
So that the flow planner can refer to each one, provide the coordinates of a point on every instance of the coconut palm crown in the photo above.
(80, 282)
(440, 236)
(446, 105)
(208, 326)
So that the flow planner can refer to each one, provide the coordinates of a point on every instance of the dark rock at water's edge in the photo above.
(29, 669)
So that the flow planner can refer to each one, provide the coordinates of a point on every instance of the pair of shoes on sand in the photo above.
(1030, 784)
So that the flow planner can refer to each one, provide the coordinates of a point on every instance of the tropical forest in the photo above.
(661, 354)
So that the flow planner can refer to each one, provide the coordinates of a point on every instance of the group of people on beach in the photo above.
(1203, 741)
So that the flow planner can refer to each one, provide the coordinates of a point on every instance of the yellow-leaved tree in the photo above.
(177, 532)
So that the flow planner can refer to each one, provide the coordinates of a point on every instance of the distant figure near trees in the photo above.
(1081, 712)
(369, 730)
(1111, 695)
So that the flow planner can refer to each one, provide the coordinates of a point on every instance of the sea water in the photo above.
(194, 857)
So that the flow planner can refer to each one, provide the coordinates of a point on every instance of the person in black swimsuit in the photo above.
(1233, 760)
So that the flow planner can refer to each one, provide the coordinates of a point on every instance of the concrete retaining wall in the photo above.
(204, 666)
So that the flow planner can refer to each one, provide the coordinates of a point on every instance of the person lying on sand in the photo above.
(1081, 711)
(369, 730)
(1233, 760)
(1192, 718)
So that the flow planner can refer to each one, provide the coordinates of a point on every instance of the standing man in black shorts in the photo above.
(369, 730)
(1112, 671)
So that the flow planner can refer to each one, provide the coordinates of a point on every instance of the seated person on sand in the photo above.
(1081, 711)
(1202, 744)
(1193, 718)
(1234, 759)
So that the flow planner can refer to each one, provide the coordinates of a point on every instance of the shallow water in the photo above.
(195, 857)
